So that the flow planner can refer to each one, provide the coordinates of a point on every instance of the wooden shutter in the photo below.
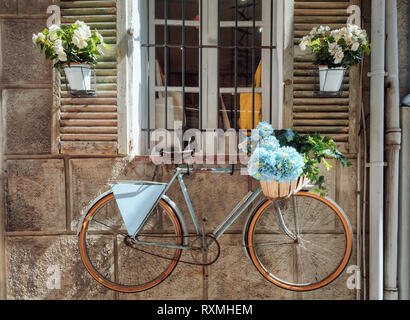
(331, 116)
(90, 125)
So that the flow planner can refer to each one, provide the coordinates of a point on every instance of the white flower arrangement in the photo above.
(337, 48)
(75, 43)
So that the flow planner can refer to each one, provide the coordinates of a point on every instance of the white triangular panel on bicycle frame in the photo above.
(135, 201)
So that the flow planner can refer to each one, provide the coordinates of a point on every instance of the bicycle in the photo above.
(132, 237)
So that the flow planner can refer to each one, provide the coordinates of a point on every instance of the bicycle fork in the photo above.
(282, 221)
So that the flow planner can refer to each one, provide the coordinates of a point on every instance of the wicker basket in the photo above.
(279, 191)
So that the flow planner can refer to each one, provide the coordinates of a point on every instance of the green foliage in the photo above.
(315, 149)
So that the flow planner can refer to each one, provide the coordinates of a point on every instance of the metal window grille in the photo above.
(244, 25)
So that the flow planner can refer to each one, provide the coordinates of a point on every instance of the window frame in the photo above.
(132, 97)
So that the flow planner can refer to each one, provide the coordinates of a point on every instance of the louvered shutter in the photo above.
(331, 116)
(90, 125)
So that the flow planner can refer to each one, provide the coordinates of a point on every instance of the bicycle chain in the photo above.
(179, 260)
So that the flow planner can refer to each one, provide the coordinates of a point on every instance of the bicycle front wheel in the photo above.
(116, 261)
(313, 251)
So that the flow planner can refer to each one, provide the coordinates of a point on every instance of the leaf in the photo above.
(328, 165)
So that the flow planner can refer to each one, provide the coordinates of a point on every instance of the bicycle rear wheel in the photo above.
(319, 251)
(117, 262)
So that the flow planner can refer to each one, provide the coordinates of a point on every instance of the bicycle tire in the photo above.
(111, 278)
(258, 256)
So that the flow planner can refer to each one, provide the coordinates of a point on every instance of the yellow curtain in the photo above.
(245, 103)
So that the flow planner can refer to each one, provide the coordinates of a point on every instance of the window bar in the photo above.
(236, 68)
(253, 63)
(183, 66)
(200, 63)
(166, 62)
(218, 62)
(148, 82)
(271, 62)
(179, 46)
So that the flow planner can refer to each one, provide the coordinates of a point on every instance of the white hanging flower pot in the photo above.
(78, 76)
(331, 79)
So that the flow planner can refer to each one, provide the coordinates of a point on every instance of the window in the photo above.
(209, 64)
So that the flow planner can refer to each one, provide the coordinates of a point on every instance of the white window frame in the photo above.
(132, 67)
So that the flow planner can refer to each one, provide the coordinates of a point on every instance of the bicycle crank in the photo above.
(205, 250)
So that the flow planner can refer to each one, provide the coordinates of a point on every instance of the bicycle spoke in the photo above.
(324, 224)
(316, 261)
(261, 244)
(279, 262)
(108, 227)
(299, 263)
(316, 253)
(306, 212)
(314, 265)
(295, 215)
(320, 247)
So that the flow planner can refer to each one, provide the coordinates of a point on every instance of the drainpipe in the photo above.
(376, 150)
(404, 208)
(392, 147)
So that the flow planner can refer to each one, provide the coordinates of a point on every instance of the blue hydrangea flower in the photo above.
(263, 130)
(260, 165)
(288, 164)
(289, 135)
(269, 143)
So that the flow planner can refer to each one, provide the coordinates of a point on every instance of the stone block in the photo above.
(185, 283)
(35, 199)
(234, 277)
(89, 178)
(75, 148)
(21, 59)
(28, 120)
(50, 268)
(8, 7)
(34, 7)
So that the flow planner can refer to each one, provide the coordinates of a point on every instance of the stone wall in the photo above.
(45, 194)
(45, 199)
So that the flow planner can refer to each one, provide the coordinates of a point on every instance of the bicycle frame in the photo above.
(225, 224)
